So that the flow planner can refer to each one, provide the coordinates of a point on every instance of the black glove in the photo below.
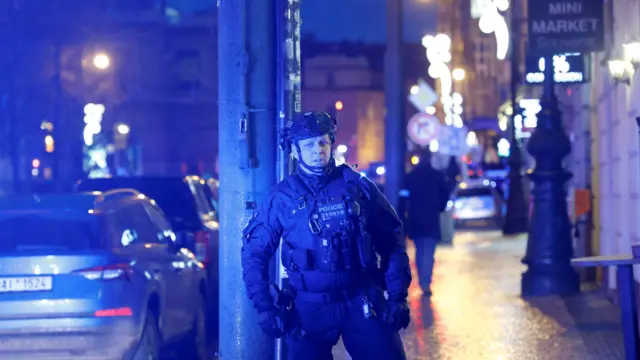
(271, 323)
(397, 314)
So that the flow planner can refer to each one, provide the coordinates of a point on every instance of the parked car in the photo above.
(477, 202)
(189, 207)
(96, 276)
(214, 186)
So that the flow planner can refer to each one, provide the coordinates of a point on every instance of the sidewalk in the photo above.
(476, 312)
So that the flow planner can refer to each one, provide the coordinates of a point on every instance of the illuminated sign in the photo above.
(530, 110)
(529, 119)
(568, 68)
(556, 26)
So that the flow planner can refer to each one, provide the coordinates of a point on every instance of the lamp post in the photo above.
(621, 71)
(549, 246)
(516, 219)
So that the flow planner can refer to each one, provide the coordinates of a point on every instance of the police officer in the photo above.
(342, 245)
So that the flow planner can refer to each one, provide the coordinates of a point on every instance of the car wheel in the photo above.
(196, 345)
(149, 346)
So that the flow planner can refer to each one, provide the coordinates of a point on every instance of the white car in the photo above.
(477, 201)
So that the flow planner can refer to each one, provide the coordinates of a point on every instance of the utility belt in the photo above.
(329, 296)
(349, 294)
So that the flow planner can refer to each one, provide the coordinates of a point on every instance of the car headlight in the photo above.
(449, 205)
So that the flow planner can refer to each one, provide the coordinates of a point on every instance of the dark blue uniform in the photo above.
(342, 243)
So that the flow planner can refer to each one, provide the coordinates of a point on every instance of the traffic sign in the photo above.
(422, 128)
(453, 141)
(422, 96)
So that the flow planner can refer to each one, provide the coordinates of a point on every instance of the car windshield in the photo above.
(474, 191)
(172, 195)
(38, 232)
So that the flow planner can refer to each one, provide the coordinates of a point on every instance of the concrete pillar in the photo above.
(395, 93)
(247, 133)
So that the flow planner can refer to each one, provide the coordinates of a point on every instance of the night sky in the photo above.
(351, 20)
(354, 20)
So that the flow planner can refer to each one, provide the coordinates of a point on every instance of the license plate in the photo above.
(20, 284)
(476, 223)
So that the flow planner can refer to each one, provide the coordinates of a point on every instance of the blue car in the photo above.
(96, 276)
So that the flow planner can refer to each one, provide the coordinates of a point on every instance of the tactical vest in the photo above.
(335, 238)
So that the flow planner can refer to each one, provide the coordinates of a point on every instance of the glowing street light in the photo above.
(621, 70)
(491, 21)
(101, 61)
(123, 129)
(49, 144)
(458, 74)
(438, 50)
(632, 53)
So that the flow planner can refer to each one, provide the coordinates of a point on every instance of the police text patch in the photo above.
(331, 211)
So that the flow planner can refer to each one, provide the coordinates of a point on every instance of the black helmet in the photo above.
(307, 125)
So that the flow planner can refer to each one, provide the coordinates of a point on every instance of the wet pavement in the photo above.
(476, 312)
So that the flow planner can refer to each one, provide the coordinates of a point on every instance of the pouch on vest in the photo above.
(296, 259)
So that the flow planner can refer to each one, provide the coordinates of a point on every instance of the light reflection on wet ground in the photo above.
(476, 312)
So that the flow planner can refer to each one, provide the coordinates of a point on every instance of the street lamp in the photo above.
(123, 129)
(632, 53)
(621, 71)
(458, 74)
(101, 61)
(549, 246)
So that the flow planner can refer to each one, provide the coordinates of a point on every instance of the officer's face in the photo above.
(315, 151)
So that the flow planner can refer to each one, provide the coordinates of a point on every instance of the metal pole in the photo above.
(58, 123)
(516, 219)
(289, 104)
(549, 246)
(394, 98)
(247, 133)
(14, 128)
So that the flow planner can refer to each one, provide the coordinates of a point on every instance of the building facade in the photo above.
(486, 83)
(610, 107)
(347, 80)
(150, 66)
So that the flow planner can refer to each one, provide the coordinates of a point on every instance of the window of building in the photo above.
(188, 69)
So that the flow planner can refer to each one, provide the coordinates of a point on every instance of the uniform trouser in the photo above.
(324, 323)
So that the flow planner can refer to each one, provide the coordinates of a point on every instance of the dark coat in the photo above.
(426, 195)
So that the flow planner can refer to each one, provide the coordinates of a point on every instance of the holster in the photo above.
(284, 301)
